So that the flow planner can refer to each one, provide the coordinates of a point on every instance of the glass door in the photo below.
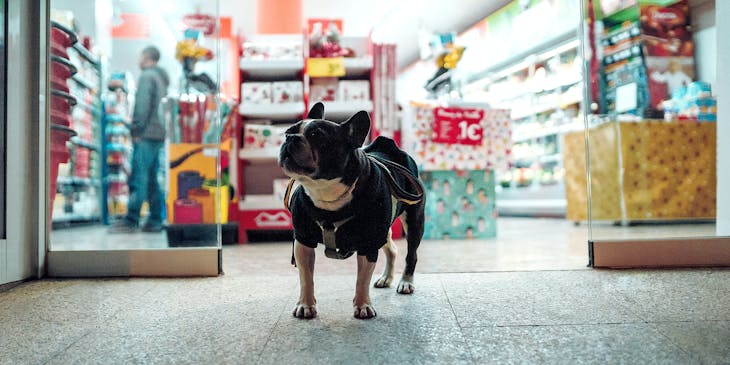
(651, 145)
(137, 182)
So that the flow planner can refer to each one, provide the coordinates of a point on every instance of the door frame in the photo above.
(172, 262)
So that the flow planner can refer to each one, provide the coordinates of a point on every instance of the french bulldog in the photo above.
(348, 197)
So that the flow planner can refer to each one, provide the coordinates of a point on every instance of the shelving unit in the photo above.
(79, 196)
(545, 94)
(260, 207)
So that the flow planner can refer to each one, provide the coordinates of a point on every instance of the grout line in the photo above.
(61, 352)
(461, 328)
(282, 311)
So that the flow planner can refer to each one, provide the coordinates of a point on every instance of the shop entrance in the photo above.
(653, 158)
(139, 139)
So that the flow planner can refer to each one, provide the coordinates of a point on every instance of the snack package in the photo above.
(287, 91)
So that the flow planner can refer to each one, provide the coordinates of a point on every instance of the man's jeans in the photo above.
(143, 184)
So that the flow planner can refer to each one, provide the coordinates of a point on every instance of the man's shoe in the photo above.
(152, 228)
(122, 227)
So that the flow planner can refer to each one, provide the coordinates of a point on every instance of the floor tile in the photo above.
(533, 298)
(417, 329)
(706, 342)
(632, 343)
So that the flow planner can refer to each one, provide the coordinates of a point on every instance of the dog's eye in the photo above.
(315, 134)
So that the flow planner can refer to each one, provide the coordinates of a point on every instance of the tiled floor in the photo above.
(513, 300)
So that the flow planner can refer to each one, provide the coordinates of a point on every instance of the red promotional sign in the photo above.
(458, 126)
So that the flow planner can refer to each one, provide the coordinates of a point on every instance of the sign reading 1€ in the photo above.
(458, 126)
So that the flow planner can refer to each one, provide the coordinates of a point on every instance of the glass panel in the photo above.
(3, 124)
(136, 125)
(652, 140)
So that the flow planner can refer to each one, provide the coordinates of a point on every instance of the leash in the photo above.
(398, 194)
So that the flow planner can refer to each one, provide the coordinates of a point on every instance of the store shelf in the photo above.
(544, 132)
(86, 54)
(261, 154)
(86, 144)
(544, 108)
(284, 111)
(340, 110)
(260, 202)
(77, 181)
(272, 68)
(83, 82)
(358, 66)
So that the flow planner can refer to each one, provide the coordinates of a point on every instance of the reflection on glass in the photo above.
(136, 126)
(652, 150)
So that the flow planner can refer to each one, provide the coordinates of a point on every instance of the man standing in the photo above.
(148, 135)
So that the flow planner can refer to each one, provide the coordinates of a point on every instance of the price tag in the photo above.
(326, 67)
(458, 126)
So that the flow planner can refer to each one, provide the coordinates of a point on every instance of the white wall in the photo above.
(722, 90)
(704, 33)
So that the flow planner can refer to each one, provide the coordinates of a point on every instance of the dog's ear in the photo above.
(356, 128)
(317, 111)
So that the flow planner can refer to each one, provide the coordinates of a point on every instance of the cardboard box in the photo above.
(287, 91)
(460, 204)
(323, 89)
(256, 92)
(353, 90)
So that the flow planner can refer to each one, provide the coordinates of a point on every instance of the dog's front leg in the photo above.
(363, 308)
(306, 307)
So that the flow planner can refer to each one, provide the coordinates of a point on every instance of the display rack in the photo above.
(116, 149)
(260, 206)
(544, 93)
(79, 196)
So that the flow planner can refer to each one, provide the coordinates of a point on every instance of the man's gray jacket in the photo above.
(146, 120)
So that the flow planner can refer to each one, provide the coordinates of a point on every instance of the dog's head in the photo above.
(319, 149)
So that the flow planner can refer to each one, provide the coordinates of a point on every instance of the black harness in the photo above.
(398, 194)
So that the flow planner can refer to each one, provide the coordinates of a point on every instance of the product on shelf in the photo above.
(353, 90)
(323, 89)
(287, 92)
(268, 51)
(257, 136)
(256, 92)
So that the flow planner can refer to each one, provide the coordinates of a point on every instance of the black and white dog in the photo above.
(348, 198)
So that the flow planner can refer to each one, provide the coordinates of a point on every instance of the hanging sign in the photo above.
(326, 67)
(458, 126)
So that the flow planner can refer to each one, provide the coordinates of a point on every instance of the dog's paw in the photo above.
(383, 282)
(364, 311)
(305, 311)
(406, 286)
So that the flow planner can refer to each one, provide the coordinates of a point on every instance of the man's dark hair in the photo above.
(152, 53)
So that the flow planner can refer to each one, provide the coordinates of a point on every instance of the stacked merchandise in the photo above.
(74, 79)
(61, 102)
(385, 115)
(693, 102)
(118, 145)
(272, 93)
(457, 150)
(647, 55)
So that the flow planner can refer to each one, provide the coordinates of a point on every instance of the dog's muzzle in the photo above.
(296, 155)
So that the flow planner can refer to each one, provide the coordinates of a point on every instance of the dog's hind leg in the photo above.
(307, 305)
(390, 253)
(414, 219)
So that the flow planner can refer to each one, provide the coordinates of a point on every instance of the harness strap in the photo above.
(397, 191)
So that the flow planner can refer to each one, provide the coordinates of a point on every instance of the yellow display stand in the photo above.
(642, 171)
(200, 158)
